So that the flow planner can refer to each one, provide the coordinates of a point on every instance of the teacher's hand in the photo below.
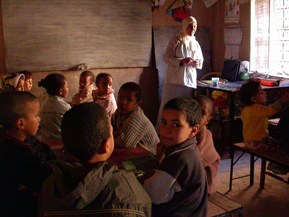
(196, 63)
(187, 61)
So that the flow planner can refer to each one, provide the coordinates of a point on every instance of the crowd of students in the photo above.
(39, 182)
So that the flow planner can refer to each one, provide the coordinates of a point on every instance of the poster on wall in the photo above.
(232, 11)
(180, 9)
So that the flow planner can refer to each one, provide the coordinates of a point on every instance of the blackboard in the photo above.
(42, 35)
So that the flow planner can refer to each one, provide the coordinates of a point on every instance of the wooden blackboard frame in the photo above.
(57, 34)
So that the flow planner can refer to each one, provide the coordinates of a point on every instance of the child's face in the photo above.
(63, 92)
(126, 101)
(191, 29)
(28, 84)
(31, 122)
(20, 85)
(84, 82)
(174, 128)
(104, 85)
(207, 113)
(260, 97)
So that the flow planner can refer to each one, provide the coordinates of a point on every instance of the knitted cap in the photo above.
(12, 79)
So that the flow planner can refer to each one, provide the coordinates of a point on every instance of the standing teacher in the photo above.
(183, 56)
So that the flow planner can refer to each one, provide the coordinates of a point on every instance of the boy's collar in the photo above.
(183, 145)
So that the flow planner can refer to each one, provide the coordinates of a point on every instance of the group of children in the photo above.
(38, 183)
(86, 181)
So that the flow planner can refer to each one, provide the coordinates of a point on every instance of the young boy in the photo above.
(22, 168)
(131, 128)
(209, 155)
(86, 87)
(104, 95)
(255, 114)
(179, 186)
(88, 184)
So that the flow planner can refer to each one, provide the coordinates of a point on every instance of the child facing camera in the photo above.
(53, 108)
(104, 95)
(209, 155)
(28, 82)
(88, 185)
(131, 128)
(86, 87)
(22, 169)
(179, 187)
(255, 114)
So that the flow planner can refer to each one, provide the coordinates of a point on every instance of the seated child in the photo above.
(255, 114)
(209, 155)
(28, 83)
(88, 184)
(22, 166)
(86, 87)
(131, 128)
(53, 109)
(12, 82)
(104, 94)
(179, 186)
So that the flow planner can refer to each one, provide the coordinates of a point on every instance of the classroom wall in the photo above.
(212, 17)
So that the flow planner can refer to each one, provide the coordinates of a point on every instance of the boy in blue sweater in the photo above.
(185, 190)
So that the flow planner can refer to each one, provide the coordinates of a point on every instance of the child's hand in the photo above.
(84, 94)
(284, 98)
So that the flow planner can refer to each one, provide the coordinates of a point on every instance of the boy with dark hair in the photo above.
(88, 184)
(104, 94)
(255, 114)
(22, 166)
(86, 87)
(178, 187)
(131, 128)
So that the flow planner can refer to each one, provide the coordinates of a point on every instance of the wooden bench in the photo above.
(277, 157)
(220, 205)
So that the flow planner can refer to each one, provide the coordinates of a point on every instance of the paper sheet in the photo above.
(233, 35)
(232, 52)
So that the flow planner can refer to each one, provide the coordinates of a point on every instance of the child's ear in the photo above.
(194, 130)
(253, 99)
(20, 123)
(60, 91)
(106, 147)
(139, 103)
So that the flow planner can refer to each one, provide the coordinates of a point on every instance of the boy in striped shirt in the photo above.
(131, 128)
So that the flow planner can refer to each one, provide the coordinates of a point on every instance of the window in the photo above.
(270, 37)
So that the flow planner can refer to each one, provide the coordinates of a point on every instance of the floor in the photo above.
(273, 201)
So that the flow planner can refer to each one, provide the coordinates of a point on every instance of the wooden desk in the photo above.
(120, 154)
